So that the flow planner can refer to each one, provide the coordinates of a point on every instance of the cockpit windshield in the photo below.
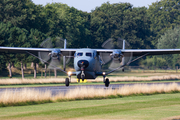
(79, 54)
(89, 54)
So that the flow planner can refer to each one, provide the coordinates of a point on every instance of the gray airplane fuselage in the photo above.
(88, 61)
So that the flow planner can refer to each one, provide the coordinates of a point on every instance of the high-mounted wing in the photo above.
(139, 52)
(64, 52)
(53, 53)
(117, 53)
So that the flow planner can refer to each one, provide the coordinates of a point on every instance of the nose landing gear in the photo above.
(82, 76)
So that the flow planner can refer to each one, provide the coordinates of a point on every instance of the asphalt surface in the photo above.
(63, 89)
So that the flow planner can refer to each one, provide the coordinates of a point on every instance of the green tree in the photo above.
(155, 61)
(12, 36)
(121, 20)
(164, 15)
(23, 14)
(170, 40)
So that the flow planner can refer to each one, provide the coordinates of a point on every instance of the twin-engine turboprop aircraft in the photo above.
(88, 62)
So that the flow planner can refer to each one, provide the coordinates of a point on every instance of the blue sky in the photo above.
(88, 5)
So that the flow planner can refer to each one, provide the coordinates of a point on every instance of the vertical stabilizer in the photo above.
(64, 57)
(124, 44)
(65, 44)
(123, 59)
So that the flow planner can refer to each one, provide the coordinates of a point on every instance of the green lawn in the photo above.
(136, 107)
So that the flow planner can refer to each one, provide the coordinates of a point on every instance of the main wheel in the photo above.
(107, 82)
(67, 82)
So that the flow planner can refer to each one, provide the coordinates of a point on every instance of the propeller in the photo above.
(117, 58)
(55, 55)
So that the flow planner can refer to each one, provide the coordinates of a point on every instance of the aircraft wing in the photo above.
(65, 52)
(139, 52)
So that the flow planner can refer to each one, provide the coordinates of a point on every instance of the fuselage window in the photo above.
(89, 54)
(79, 54)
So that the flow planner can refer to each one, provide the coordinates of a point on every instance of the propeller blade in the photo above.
(44, 55)
(54, 63)
(115, 44)
(68, 58)
(47, 43)
(59, 42)
(127, 58)
(105, 57)
(46, 62)
(114, 64)
(108, 44)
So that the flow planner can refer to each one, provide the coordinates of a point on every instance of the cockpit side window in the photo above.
(79, 54)
(89, 54)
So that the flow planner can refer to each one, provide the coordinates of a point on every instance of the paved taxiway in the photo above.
(63, 89)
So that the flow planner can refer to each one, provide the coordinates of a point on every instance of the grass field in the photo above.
(143, 106)
(115, 77)
(31, 96)
(162, 106)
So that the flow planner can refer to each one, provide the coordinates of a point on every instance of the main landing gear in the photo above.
(67, 82)
(106, 81)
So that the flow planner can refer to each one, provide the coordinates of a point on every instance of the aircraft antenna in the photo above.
(64, 43)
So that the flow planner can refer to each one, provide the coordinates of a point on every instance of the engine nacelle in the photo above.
(55, 53)
(116, 55)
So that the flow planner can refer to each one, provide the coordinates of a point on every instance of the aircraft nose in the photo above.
(83, 63)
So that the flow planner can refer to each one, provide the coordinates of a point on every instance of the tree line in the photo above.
(24, 24)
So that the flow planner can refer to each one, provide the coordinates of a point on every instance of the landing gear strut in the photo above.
(82, 76)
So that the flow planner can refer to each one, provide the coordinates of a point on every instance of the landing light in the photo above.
(69, 73)
(104, 73)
